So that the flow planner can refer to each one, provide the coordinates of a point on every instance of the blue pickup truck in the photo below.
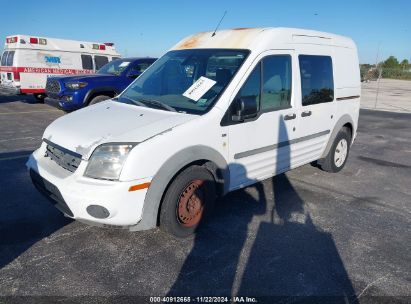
(73, 92)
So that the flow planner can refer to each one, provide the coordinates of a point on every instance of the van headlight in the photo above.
(107, 161)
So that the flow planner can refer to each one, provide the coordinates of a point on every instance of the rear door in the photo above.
(261, 147)
(3, 74)
(317, 110)
(6, 74)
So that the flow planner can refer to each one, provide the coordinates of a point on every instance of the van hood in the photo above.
(109, 121)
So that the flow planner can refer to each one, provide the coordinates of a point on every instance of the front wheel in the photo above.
(187, 202)
(338, 154)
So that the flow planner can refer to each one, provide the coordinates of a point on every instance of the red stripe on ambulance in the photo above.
(44, 70)
(32, 91)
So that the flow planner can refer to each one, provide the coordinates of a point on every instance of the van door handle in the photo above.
(290, 116)
(306, 113)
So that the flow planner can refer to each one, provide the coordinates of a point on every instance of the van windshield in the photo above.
(115, 67)
(188, 81)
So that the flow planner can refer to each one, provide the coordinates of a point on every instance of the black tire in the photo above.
(328, 163)
(39, 97)
(177, 220)
(98, 99)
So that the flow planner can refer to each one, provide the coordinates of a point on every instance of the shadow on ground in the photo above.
(288, 256)
(22, 98)
(26, 216)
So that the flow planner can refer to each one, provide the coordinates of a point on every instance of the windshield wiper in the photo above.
(136, 102)
(159, 104)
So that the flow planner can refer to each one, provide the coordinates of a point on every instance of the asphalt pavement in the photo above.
(345, 236)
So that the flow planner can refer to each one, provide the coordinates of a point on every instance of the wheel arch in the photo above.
(204, 156)
(108, 91)
(344, 121)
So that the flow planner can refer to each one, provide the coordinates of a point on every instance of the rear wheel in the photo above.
(40, 97)
(188, 201)
(98, 99)
(338, 154)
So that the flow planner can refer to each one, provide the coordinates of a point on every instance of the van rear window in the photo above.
(87, 62)
(3, 58)
(100, 61)
(10, 58)
(7, 58)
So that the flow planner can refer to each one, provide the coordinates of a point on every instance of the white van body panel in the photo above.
(166, 141)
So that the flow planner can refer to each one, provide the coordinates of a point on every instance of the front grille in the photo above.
(53, 86)
(64, 158)
(51, 192)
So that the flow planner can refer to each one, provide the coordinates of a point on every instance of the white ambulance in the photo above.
(27, 61)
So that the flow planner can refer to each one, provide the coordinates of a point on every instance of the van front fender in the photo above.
(166, 173)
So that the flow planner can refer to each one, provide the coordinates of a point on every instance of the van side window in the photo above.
(87, 62)
(276, 91)
(251, 89)
(317, 84)
(100, 61)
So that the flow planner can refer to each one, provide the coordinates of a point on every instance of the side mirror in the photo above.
(244, 108)
(133, 74)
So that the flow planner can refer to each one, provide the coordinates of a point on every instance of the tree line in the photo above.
(389, 68)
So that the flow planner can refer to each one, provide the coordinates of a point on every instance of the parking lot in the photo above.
(304, 233)
(387, 95)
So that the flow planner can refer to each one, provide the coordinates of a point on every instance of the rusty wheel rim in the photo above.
(191, 204)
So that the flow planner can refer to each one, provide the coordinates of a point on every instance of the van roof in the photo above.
(261, 38)
(56, 44)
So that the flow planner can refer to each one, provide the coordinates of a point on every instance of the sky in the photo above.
(380, 28)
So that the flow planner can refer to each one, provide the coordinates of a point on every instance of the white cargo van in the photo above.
(214, 114)
(27, 61)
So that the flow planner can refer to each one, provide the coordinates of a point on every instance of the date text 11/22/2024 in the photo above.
(201, 299)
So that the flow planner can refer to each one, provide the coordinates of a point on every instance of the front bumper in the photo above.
(61, 104)
(76, 196)
(52, 102)
(7, 90)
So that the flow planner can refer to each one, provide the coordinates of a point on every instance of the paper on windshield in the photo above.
(199, 88)
(124, 64)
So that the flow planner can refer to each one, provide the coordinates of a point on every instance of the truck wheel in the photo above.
(188, 201)
(98, 99)
(338, 154)
(40, 97)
